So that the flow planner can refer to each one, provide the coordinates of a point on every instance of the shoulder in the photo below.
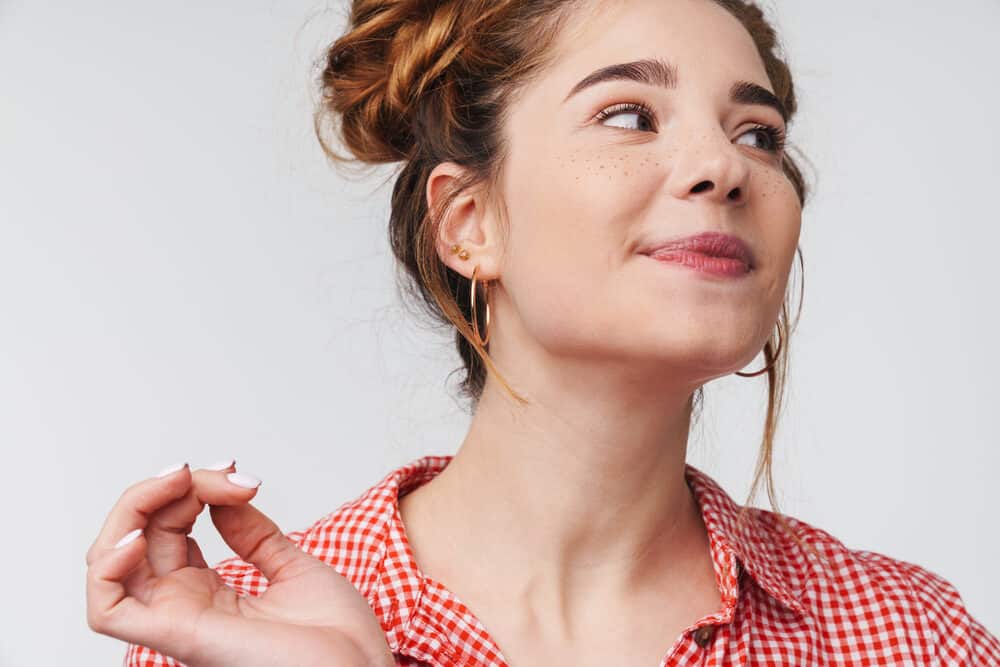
(936, 603)
(869, 591)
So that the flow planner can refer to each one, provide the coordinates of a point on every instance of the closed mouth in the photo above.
(709, 244)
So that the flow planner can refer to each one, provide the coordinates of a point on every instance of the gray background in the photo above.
(182, 277)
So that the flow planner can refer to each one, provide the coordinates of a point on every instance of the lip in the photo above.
(715, 252)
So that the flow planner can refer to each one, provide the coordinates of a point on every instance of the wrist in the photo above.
(222, 640)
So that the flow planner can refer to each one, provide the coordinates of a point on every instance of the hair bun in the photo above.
(375, 73)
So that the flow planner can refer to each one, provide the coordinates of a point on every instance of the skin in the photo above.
(158, 591)
(575, 506)
(589, 548)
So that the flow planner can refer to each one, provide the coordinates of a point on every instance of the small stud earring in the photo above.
(460, 251)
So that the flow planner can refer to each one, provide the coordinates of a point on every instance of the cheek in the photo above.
(569, 208)
(780, 215)
(778, 223)
(584, 202)
(572, 214)
(613, 180)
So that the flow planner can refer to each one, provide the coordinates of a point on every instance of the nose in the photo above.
(712, 169)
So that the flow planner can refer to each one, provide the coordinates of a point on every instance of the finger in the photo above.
(257, 540)
(195, 556)
(169, 527)
(110, 609)
(136, 504)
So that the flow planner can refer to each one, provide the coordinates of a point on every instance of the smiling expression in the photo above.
(656, 120)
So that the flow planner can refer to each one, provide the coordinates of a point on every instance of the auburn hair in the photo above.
(422, 82)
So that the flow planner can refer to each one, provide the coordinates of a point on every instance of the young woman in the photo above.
(596, 194)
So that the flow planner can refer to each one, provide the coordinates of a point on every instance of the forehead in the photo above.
(700, 38)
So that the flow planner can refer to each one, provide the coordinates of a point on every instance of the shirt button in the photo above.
(703, 635)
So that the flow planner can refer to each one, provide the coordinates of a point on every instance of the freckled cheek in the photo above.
(598, 167)
(779, 212)
(599, 187)
(567, 193)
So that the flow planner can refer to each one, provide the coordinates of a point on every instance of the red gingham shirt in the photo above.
(780, 605)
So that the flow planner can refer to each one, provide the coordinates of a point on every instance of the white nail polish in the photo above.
(170, 469)
(220, 465)
(130, 537)
(243, 479)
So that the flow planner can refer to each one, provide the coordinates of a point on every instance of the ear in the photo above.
(468, 223)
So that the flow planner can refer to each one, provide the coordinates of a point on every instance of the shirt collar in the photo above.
(755, 546)
(758, 545)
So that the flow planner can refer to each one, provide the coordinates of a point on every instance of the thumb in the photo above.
(258, 541)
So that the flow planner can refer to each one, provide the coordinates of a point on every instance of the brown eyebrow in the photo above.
(656, 72)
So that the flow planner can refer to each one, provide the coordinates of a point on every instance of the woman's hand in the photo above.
(157, 590)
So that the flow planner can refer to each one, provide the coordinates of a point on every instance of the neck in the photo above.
(574, 499)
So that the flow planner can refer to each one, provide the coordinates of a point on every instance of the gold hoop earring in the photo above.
(777, 354)
(464, 254)
(472, 300)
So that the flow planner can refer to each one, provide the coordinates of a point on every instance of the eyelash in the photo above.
(775, 134)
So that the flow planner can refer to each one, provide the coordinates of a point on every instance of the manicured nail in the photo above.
(243, 479)
(170, 469)
(130, 537)
(220, 465)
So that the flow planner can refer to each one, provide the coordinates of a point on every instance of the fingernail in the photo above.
(170, 469)
(243, 479)
(130, 537)
(220, 465)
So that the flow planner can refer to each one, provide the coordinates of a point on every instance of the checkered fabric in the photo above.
(780, 604)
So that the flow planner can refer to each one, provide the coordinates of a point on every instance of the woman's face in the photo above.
(584, 194)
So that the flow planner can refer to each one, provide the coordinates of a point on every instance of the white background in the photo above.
(182, 277)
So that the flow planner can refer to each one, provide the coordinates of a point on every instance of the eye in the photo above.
(633, 109)
(774, 137)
